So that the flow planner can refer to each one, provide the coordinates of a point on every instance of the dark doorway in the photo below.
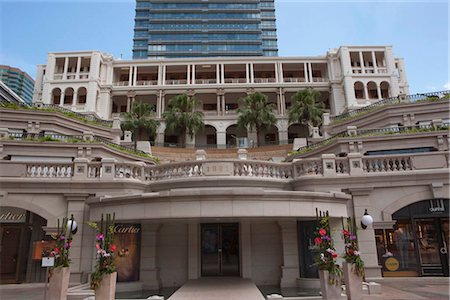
(220, 249)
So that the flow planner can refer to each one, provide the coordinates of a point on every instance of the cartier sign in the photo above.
(125, 228)
(12, 215)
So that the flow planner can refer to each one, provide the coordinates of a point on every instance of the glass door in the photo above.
(445, 234)
(220, 249)
(428, 236)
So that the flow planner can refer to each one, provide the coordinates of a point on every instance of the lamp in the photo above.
(366, 220)
(72, 224)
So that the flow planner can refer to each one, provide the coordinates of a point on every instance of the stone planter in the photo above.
(329, 291)
(107, 288)
(59, 283)
(353, 283)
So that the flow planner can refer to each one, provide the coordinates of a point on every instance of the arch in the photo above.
(82, 95)
(297, 130)
(385, 87)
(404, 201)
(56, 96)
(207, 137)
(269, 136)
(359, 90)
(232, 132)
(372, 90)
(32, 207)
(68, 96)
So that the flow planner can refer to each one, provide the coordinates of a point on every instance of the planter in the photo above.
(353, 283)
(107, 288)
(329, 291)
(59, 283)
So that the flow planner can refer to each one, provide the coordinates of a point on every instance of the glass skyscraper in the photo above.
(201, 28)
(18, 81)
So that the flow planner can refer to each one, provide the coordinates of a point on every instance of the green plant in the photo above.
(326, 257)
(104, 243)
(255, 112)
(140, 119)
(182, 118)
(307, 108)
(351, 252)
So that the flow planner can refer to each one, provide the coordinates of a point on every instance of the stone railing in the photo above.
(328, 165)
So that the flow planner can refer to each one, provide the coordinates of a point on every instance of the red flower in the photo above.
(334, 255)
(113, 247)
(351, 251)
(322, 231)
(346, 233)
(97, 246)
(317, 241)
(56, 250)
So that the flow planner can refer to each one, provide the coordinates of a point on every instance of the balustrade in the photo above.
(373, 164)
(94, 170)
(50, 170)
(128, 171)
(307, 167)
(262, 169)
(342, 165)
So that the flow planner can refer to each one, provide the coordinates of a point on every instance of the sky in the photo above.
(417, 30)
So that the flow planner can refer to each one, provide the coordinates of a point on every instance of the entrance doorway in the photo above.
(220, 249)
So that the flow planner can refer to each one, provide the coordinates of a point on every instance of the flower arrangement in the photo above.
(62, 243)
(326, 258)
(352, 254)
(104, 239)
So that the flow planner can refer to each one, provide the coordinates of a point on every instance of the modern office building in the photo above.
(96, 83)
(172, 29)
(18, 81)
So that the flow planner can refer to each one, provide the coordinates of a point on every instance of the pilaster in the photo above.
(289, 269)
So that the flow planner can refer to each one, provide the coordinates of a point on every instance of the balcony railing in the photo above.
(235, 80)
(147, 82)
(294, 79)
(264, 80)
(176, 81)
(206, 81)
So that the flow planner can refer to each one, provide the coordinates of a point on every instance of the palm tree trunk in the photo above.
(258, 142)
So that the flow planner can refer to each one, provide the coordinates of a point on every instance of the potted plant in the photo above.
(60, 272)
(104, 277)
(353, 264)
(330, 272)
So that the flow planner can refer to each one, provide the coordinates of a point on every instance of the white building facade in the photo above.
(94, 82)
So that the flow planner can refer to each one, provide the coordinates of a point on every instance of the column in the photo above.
(218, 104)
(222, 73)
(75, 97)
(311, 79)
(305, 71)
(282, 102)
(218, 74)
(149, 273)
(276, 72)
(188, 74)
(128, 104)
(135, 75)
(289, 269)
(193, 251)
(158, 104)
(252, 75)
(247, 73)
(193, 74)
(223, 104)
(66, 65)
(130, 76)
(164, 75)
(221, 138)
(379, 91)
(77, 76)
(361, 59)
(366, 237)
(374, 59)
(61, 98)
(366, 93)
(280, 70)
(246, 238)
(80, 252)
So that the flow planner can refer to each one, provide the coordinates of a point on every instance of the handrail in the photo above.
(393, 100)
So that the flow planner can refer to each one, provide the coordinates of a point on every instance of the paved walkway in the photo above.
(218, 288)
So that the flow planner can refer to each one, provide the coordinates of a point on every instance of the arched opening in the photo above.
(207, 137)
(82, 95)
(68, 96)
(414, 246)
(171, 139)
(372, 90)
(359, 90)
(384, 87)
(22, 240)
(297, 131)
(233, 133)
(56, 96)
(269, 136)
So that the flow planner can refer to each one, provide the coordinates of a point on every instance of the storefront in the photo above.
(20, 232)
(418, 243)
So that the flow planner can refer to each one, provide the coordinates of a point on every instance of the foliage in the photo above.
(256, 113)
(307, 108)
(181, 116)
(326, 256)
(104, 237)
(140, 119)
(352, 254)
(63, 243)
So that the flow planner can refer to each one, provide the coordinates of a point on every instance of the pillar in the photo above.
(149, 273)
(193, 74)
(361, 59)
(77, 76)
(218, 74)
(305, 71)
(193, 251)
(379, 91)
(75, 97)
(252, 75)
(310, 72)
(247, 73)
(66, 66)
(61, 98)
(135, 75)
(221, 138)
(289, 269)
(246, 242)
(374, 59)
(366, 93)
(366, 237)
(130, 76)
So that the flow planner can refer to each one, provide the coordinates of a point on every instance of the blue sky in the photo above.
(418, 31)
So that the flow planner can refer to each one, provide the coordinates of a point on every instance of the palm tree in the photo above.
(182, 118)
(256, 113)
(307, 108)
(140, 120)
